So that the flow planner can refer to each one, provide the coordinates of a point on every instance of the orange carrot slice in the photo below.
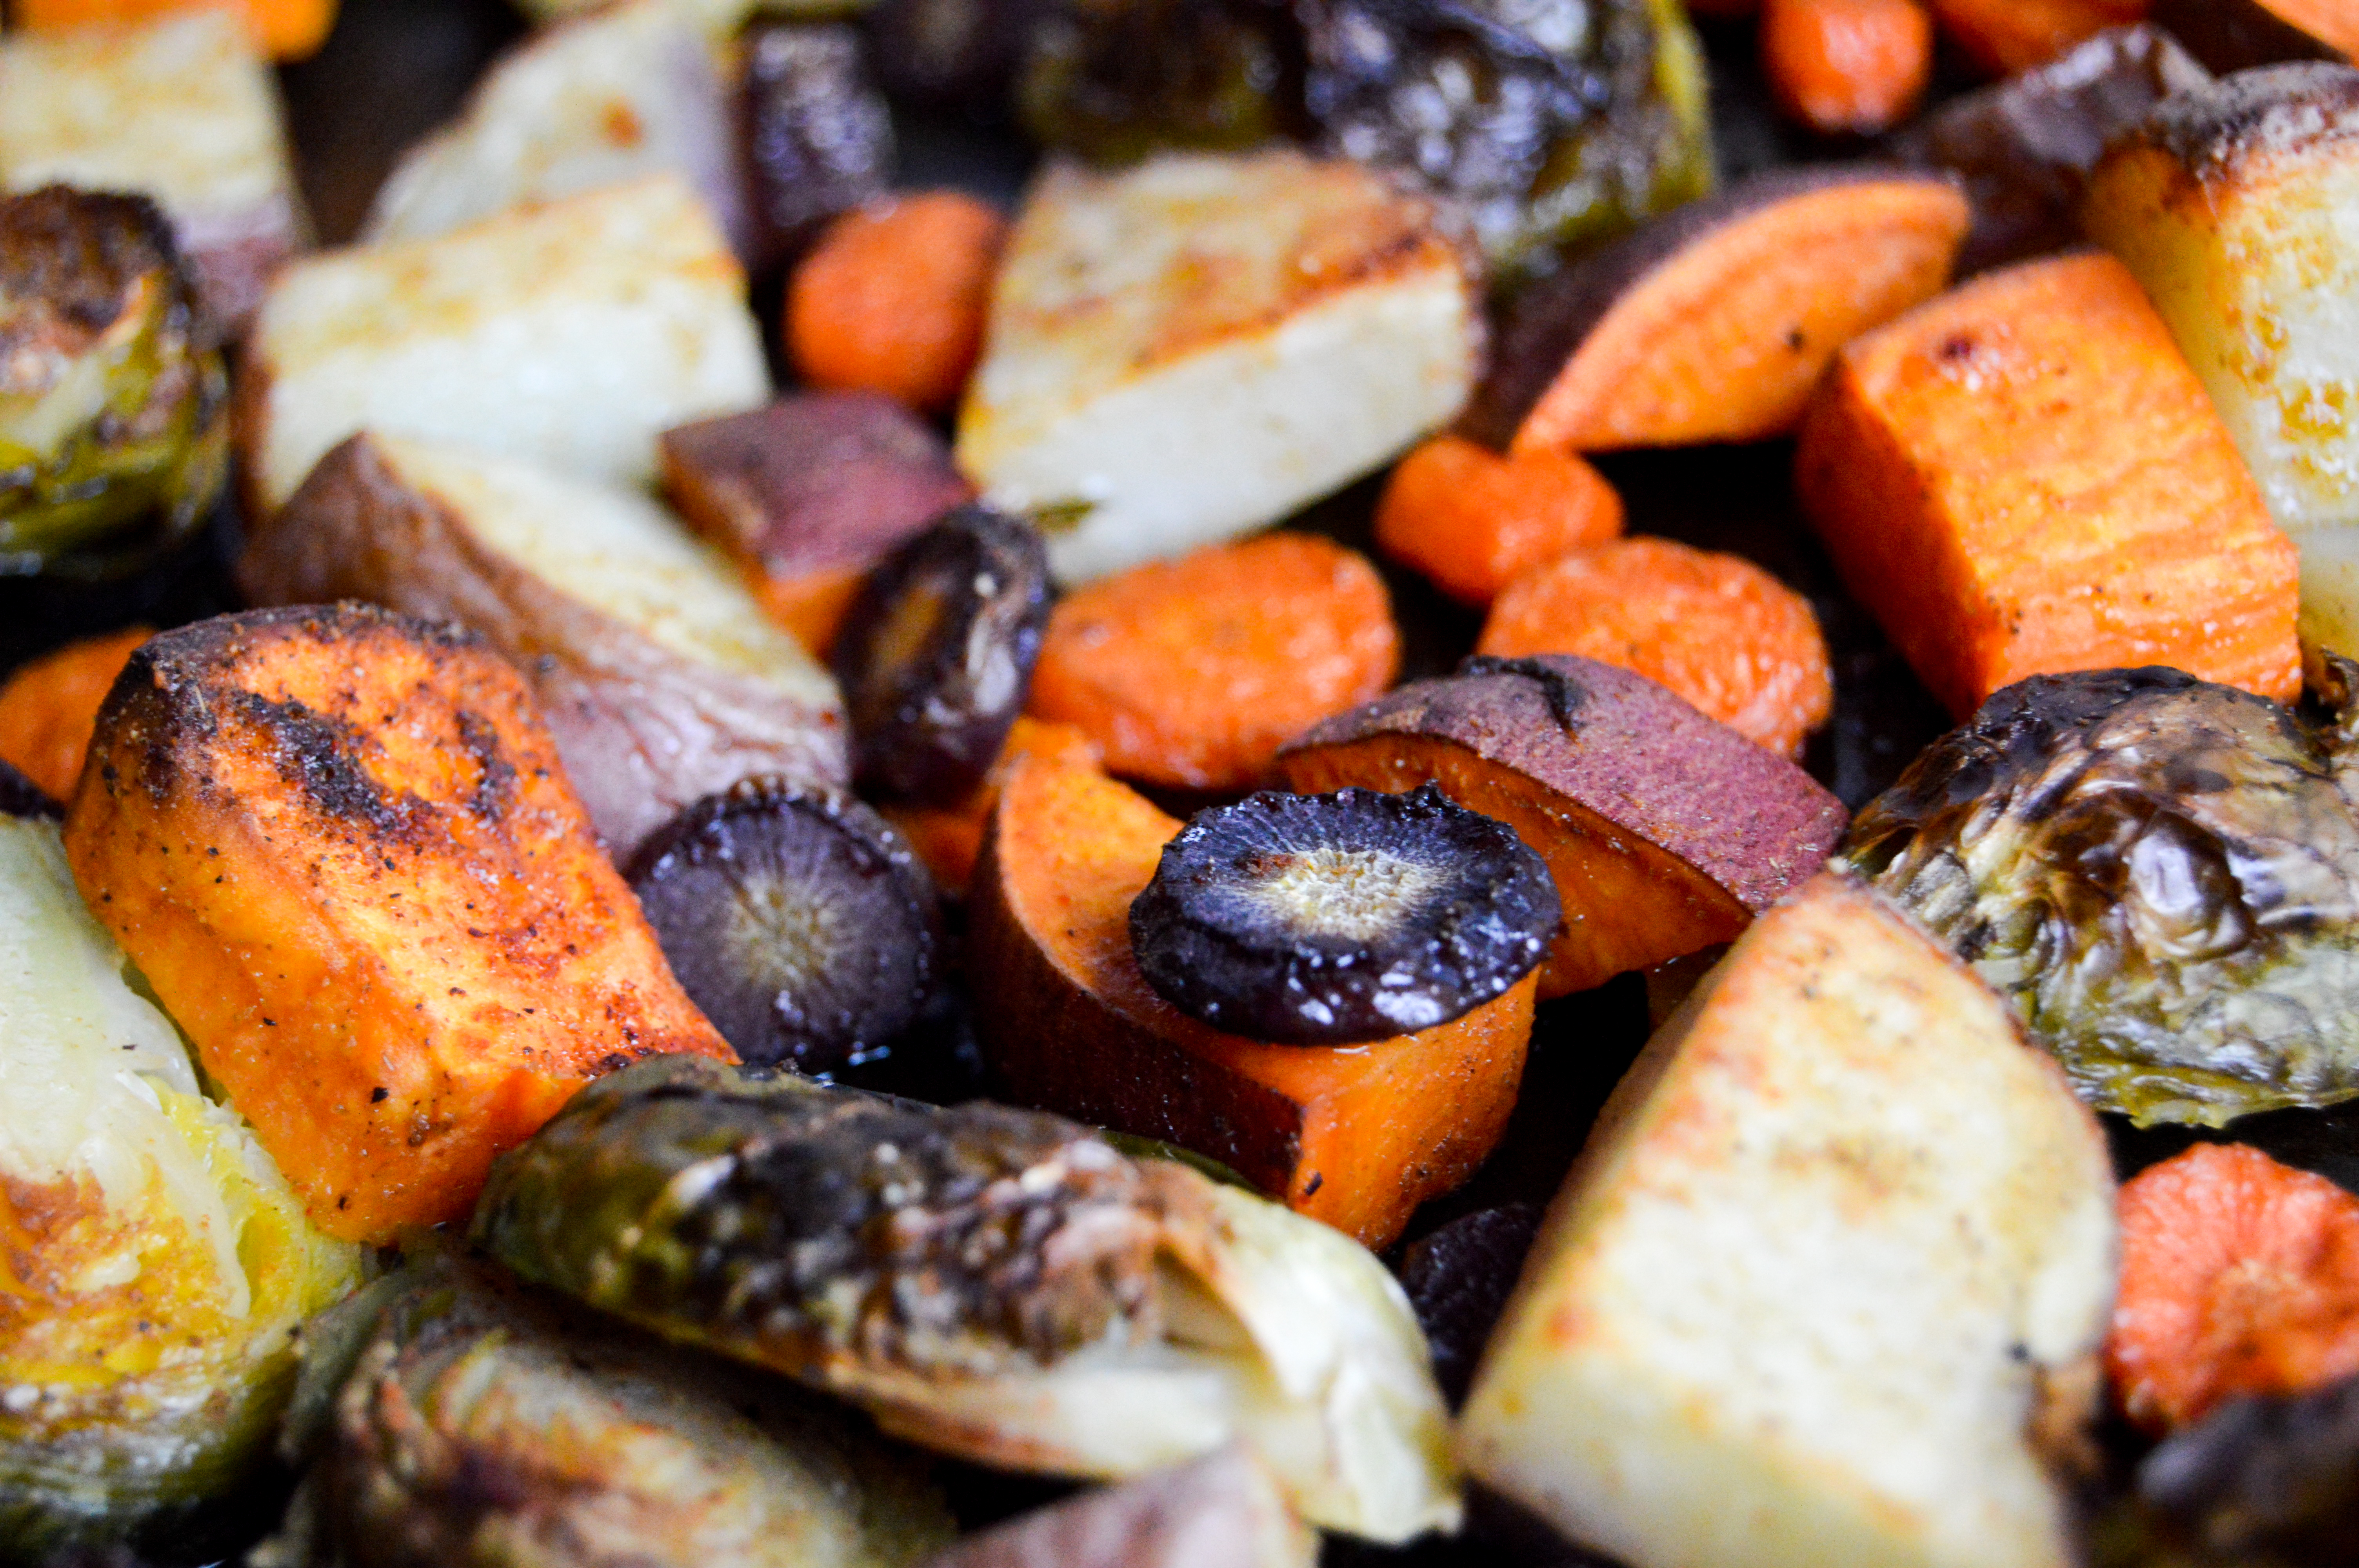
(49, 707)
(893, 298)
(1473, 521)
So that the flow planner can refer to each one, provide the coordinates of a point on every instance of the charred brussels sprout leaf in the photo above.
(2161, 875)
(996, 1283)
(113, 428)
(486, 1426)
(156, 1263)
(1113, 81)
(1557, 123)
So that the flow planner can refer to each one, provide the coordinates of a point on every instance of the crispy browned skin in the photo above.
(338, 843)
(1355, 1136)
(1665, 832)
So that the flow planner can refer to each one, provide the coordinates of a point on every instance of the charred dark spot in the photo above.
(496, 775)
(1955, 348)
(320, 756)
(379, 1094)
(1565, 695)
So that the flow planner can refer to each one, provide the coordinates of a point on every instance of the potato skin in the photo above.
(340, 847)
(644, 732)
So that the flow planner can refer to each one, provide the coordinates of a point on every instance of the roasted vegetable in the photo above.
(1139, 408)
(1557, 124)
(1117, 79)
(571, 333)
(2230, 203)
(819, 140)
(2161, 875)
(182, 108)
(797, 919)
(1714, 323)
(46, 708)
(894, 297)
(2262, 1484)
(2025, 146)
(1473, 521)
(936, 653)
(1356, 1138)
(1665, 832)
(2025, 476)
(483, 1426)
(658, 674)
(1219, 1512)
(952, 54)
(1837, 1257)
(113, 428)
(1191, 673)
(634, 89)
(1335, 919)
(996, 1283)
(155, 1261)
(338, 844)
(1458, 1279)
(1847, 66)
(2236, 35)
(2004, 36)
(290, 29)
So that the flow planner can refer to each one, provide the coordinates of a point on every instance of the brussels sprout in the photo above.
(480, 1425)
(114, 423)
(1557, 123)
(153, 1262)
(2160, 874)
(996, 1283)
(1117, 79)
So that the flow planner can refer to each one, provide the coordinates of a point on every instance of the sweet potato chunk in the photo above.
(1665, 832)
(1356, 1136)
(1712, 323)
(338, 843)
(2025, 478)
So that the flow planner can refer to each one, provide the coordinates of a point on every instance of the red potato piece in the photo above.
(807, 493)
(1712, 324)
(1355, 1136)
(1665, 832)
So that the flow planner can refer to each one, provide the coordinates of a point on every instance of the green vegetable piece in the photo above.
(482, 1425)
(1560, 124)
(999, 1284)
(154, 1264)
(113, 403)
(2161, 875)
(1113, 81)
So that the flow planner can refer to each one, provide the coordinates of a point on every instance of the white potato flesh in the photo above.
(571, 333)
(2237, 207)
(1197, 347)
(632, 90)
(1795, 1303)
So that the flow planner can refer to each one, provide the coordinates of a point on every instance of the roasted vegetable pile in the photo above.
(1330, 817)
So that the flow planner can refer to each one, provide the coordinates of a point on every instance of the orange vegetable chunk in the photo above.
(286, 29)
(2239, 1276)
(2024, 477)
(1856, 66)
(950, 837)
(1473, 521)
(2004, 36)
(893, 298)
(1732, 640)
(339, 846)
(48, 705)
(1192, 673)
(1356, 1136)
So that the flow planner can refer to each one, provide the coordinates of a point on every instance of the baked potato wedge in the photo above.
(631, 89)
(1840, 1242)
(1197, 347)
(571, 333)
(154, 1260)
(340, 847)
(659, 676)
(182, 109)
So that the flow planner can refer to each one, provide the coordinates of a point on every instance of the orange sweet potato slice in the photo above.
(1712, 324)
(1665, 832)
(1355, 1136)
(339, 846)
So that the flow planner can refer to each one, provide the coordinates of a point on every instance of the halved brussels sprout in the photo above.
(1557, 123)
(1113, 81)
(2161, 875)
(996, 1283)
(113, 403)
(458, 1420)
(154, 1264)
